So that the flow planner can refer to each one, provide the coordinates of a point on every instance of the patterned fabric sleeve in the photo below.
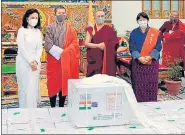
(48, 39)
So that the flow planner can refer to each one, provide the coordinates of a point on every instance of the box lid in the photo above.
(78, 84)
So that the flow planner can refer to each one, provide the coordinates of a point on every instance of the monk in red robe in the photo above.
(61, 44)
(173, 36)
(101, 41)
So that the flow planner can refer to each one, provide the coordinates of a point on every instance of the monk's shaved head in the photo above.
(174, 17)
(175, 14)
(100, 13)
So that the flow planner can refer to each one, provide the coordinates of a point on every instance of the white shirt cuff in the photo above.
(56, 52)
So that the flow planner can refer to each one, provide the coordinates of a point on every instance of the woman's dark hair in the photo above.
(142, 14)
(27, 14)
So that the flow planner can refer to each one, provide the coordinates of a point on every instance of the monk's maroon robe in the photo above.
(95, 56)
(173, 45)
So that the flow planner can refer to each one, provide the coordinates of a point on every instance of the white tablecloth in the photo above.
(169, 117)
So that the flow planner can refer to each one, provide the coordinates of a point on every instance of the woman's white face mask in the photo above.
(143, 23)
(33, 22)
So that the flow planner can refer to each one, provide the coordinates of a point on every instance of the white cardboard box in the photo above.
(58, 114)
(4, 116)
(165, 127)
(4, 129)
(65, 128)
(104, 106)
(18, 126)
(44, 131)
(19, 115)
(40, 115)
(20, 131)
(40, 125)
(116, 130)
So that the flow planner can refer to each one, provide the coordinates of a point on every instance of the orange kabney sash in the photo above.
(150, 42)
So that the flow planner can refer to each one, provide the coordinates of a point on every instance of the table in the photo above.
(168, 116)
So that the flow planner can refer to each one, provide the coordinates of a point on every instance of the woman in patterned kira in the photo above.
(145, 47)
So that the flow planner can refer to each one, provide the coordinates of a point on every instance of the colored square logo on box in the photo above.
(94, 104)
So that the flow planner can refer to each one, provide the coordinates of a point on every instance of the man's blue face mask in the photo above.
(100, 20)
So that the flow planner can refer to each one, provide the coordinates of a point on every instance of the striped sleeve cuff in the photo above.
(155, 54)
(135, 54)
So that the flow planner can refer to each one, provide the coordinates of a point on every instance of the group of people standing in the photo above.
(62, 47)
